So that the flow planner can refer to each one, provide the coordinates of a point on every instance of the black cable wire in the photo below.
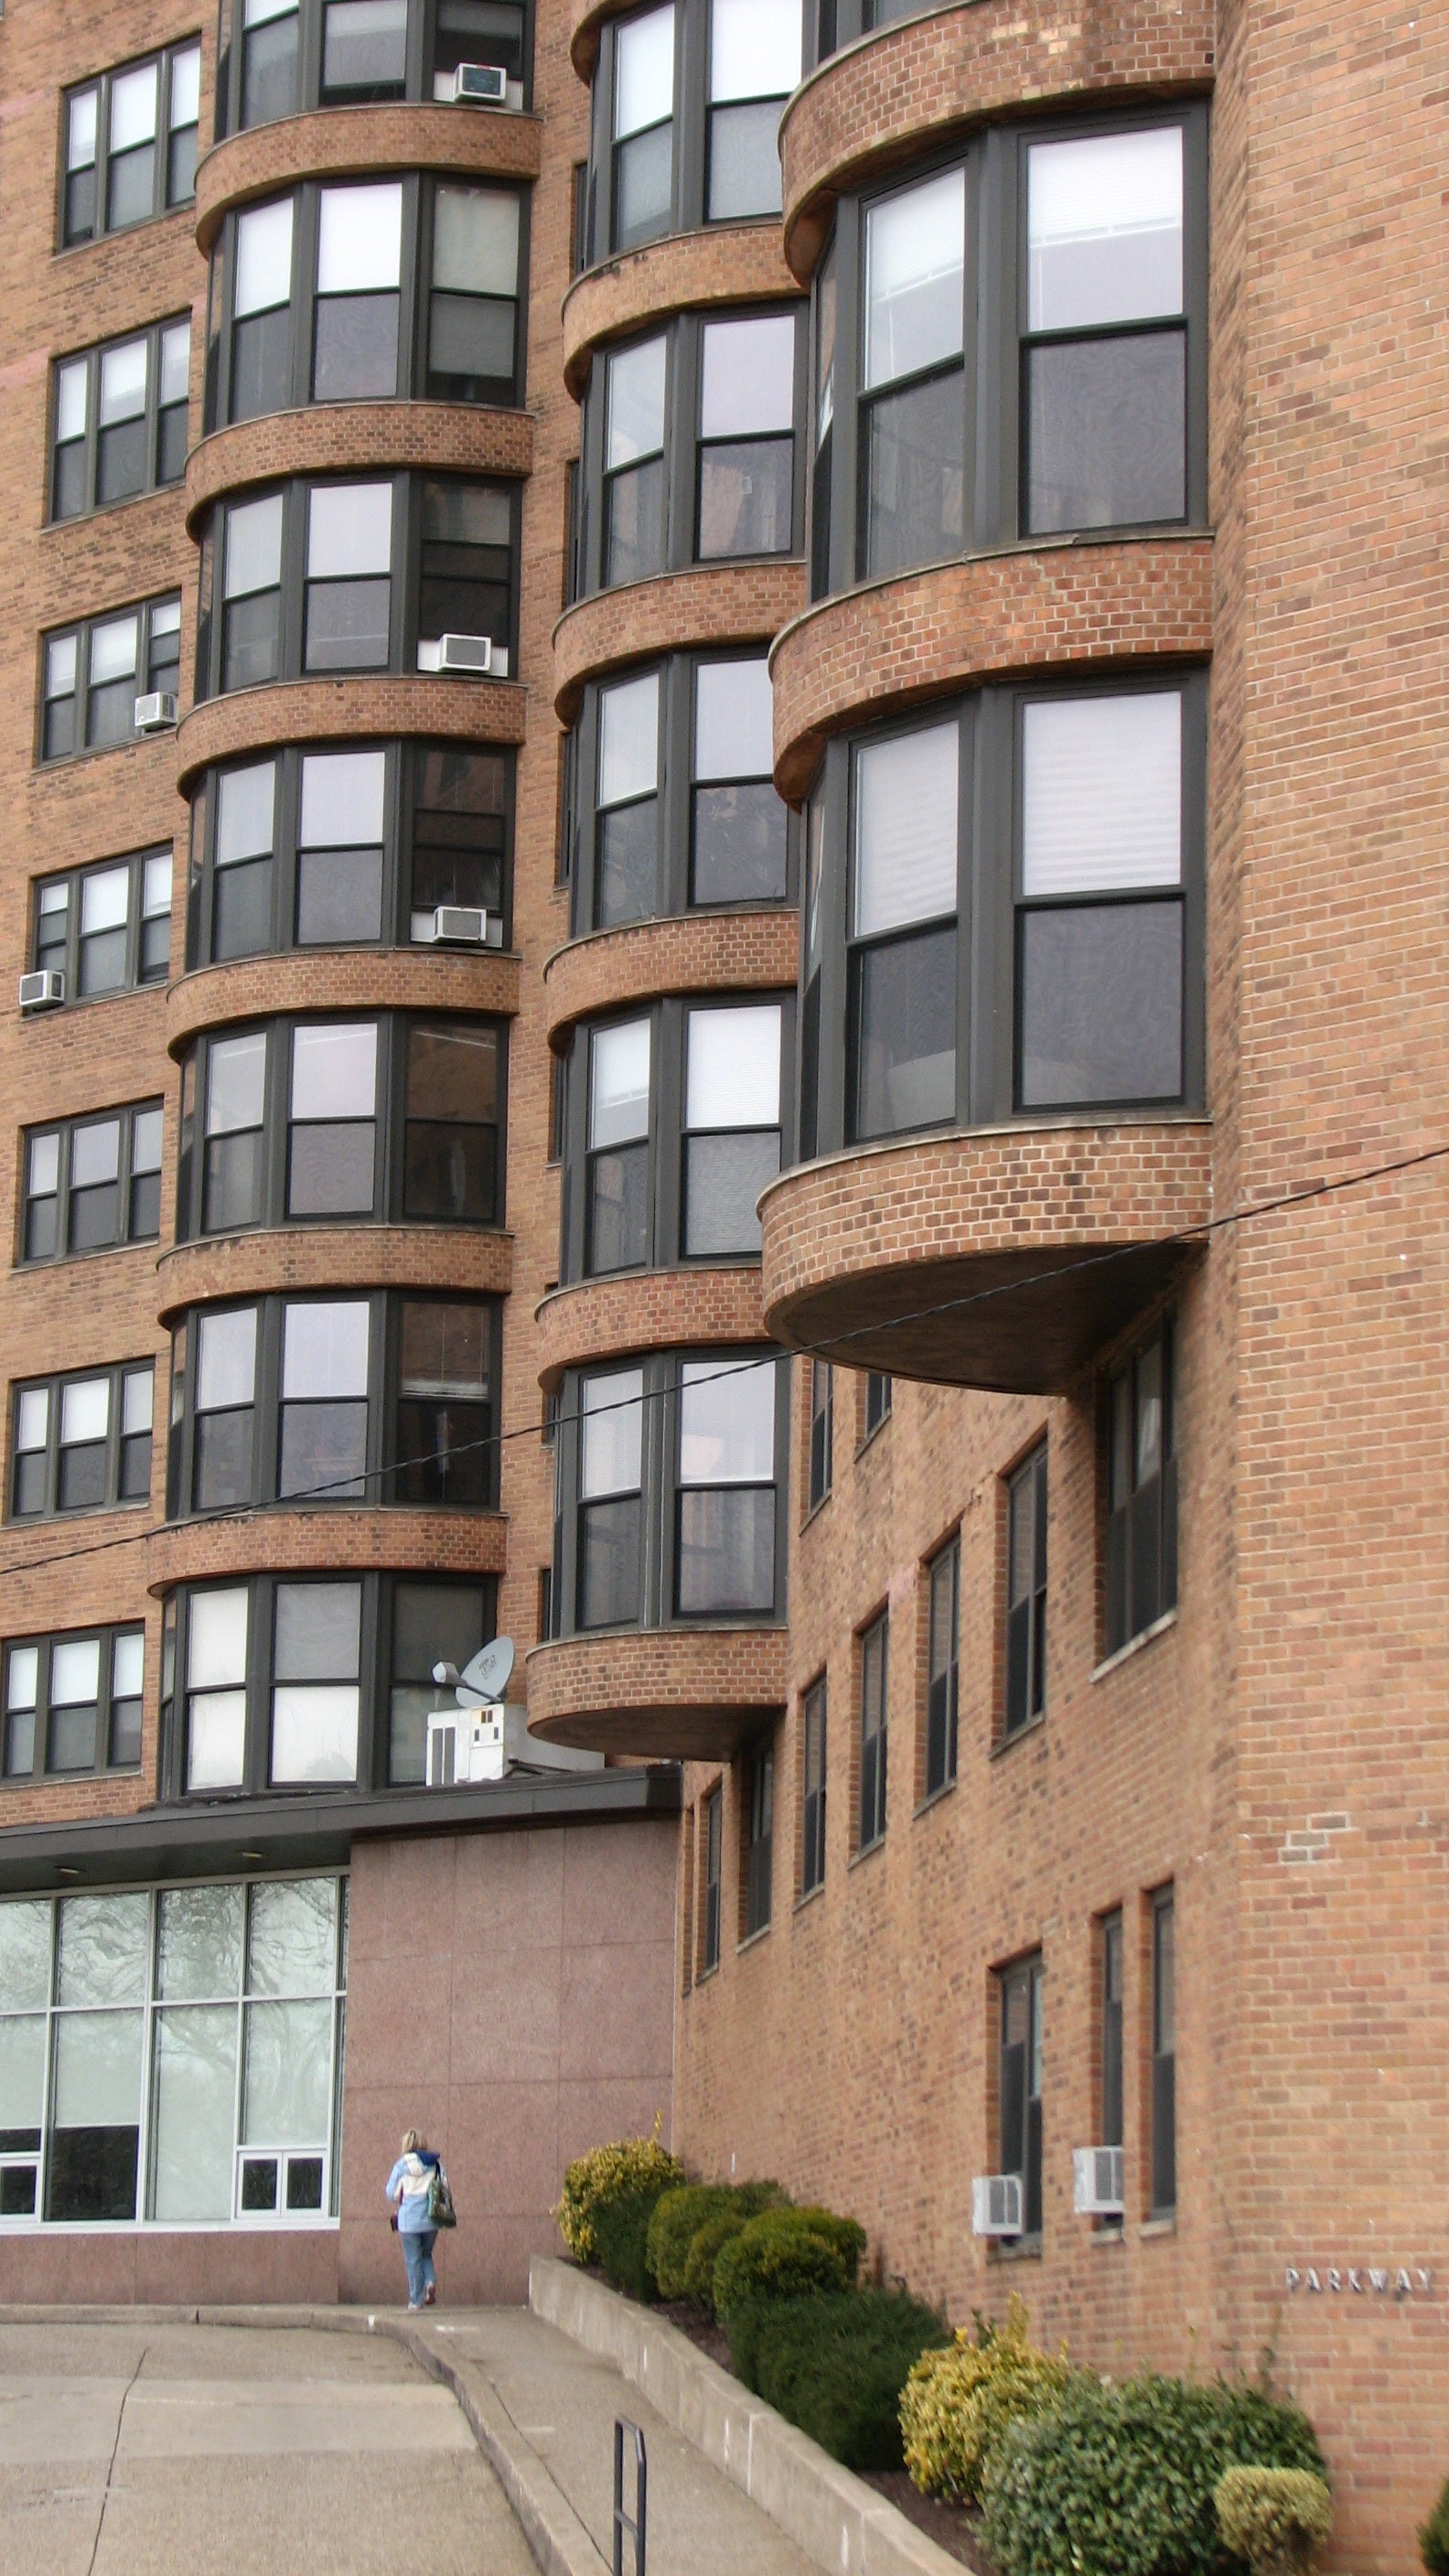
(1194, 1234)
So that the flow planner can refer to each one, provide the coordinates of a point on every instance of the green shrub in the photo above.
(1278, 2519)
(783, 2253)
(1119, 2481)
(834, 2362)
(705, 2247)
(607, 2174)
(957, 2404)
(621, 2231)
(678, 2215)
(1434, 2538)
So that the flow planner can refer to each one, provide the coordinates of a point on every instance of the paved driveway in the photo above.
(176, 2450)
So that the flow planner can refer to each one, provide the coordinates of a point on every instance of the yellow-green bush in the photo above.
(957, 2404)
(1278, 2519)
(616, 2172)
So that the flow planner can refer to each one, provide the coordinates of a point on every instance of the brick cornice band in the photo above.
(382, 704)
(677, 612)
(695, 1694)
(351, 438)
(343, 1540)
(858, 1246)
(346, 979)
(348, 142)
(662, 1310)
(725, 264)
(701, 952)
(899, 95)
(289, 1259)
(866, 652)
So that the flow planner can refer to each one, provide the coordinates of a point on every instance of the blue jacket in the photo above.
(415, 2174)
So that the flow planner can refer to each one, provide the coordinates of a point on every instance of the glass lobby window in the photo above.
(1026, 1592)
(754, 63)
(731, 1123)
(120, 420)
(943, 1677)
(276, 57)
(73, 1704)
(746, 436)
(106, 929)
(81, 1443)
(1141, 1549)
(626, 857)
(903, 953)
(92, 1183)
(634, 460)
(913, 413)
(618, 1232)
(738, 833)
(611, 1475)
(130, 144)
(1105, 355)
(1101, 920)
(726, 1551)
(92, 675)
(643, 126)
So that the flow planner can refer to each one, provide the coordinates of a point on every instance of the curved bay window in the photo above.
(1012, 346)
(381, 1120)
(672, 1127)
(829, 24)
(325, 1681)
(674, 809)
(340, 846)
(330, 577)
(1066, 828)
(687, 101)
(689, 450)
(367, 1399)
(277, 56)
(387, 289)
(669, 1475)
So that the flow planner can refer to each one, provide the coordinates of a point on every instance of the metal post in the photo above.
(637, 2526)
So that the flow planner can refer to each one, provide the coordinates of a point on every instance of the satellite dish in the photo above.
(486, 1676)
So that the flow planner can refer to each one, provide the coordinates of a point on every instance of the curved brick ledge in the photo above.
(656, 1310)
(345, 1539)
(337, 142)
(866, 652)
(683, 1694)
(348, 979)
(351, 438)
(697, 952)
(361, 708)
(707, 604)
(726, 264)
(292, 1258)
(899, 95)
(855, 1247)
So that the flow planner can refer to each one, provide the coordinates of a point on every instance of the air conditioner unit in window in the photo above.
(1098, 2182)
(42, 990)
(464, 924)
(996, 2205)
(472, 656)
(156, 712)
(480, 85)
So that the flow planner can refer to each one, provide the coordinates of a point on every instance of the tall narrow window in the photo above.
(340, 836)
(316, 1658)
(473, 306)
(364, 51)
(913, 413)
(822, 1427)
(261, 346)
(1164, 2054)
(759, 1837)
(871, 1818)
(348, 587)
(713, 1829)
(322, 1448)
(359, 272)
(611, 1458)
(903, 952)
(1104, 395)
(738, 824)
(332, 1133)
(877, 1401)
(251, 616)
(1109, 2117)
(812, 1787)
(943, 1676)
(241, 924)
(726, 1533)
(236, 1077)
(225, 1406)
(464, 568)
(431, 1623)
(1020, 2084)
(450, 1152)
(634, 461)
(826, 328)
(626, 864)
(617, 1219)
(754, 63)
(731, 1124)
(444, 1405)
(216, 1697)
(746, 436)
(269, 60)
(1026, 1591)
(1141, 1568)
(643, 126)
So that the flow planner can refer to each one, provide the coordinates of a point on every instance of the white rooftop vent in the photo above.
(996, 2205)
(1098, 2182)
(480, 85)
(42, 990)
(156, 712)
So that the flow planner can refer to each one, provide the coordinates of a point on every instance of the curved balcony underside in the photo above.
(686, 1694)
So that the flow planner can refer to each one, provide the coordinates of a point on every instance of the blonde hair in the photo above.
(412, 2140)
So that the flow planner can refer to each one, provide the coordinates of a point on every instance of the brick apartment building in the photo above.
(933, 874)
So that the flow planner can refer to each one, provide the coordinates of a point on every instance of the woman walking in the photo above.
(410, 2184)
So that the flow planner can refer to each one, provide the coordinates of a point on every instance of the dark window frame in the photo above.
(819, 1435)
(309, 91)
(131, 1184)
(688, 209)
(387, 1454)
(831, 24)
(986, 980)
(757, 1838)
(873, 1733)
(159, 422)
(992, 364)
(390, 1122)
(814, 1783)
(1111, 2032)
(711, 1819)
(121, 1449)
(66, 952)
(1163, 2038)
(1140, 1536)
(876, 1406)
(376, 1680)
(174, 171)
(153, 670)
(108, 1636)
(1020, 2000)
(1025, 1610)
(943, 1667)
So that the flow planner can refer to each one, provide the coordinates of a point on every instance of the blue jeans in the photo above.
(417, 2245)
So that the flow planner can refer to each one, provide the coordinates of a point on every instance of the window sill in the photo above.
(751, 1940)
(872, 1437)
(1108, 2234)
(866, 1851)
(809, 1896)
(705, 1975)
(1026, 2249)
(1164, 2226)
(1008, 1743)
(933, 1798)
(817, 1508)
(1147, 1637)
